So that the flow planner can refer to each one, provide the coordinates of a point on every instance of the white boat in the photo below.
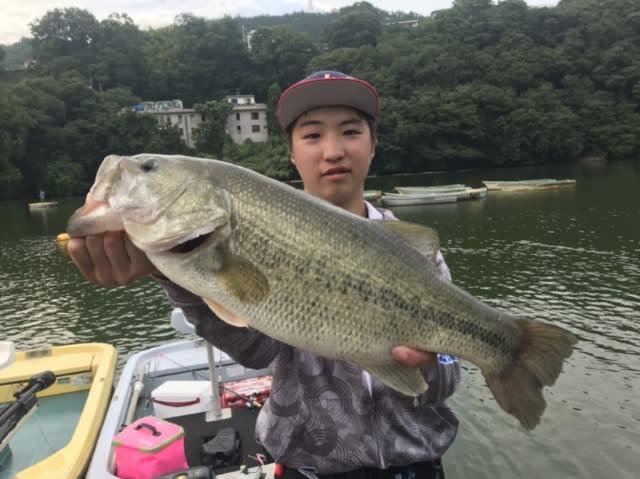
(410, 190)
(187, 360)
(477, 193)
(464, 192)
(372, 195)
(42, 205)
(527, 185)
(397, 199)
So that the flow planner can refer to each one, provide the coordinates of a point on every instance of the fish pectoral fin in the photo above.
(421, 238)
(226, 315)
(243, 280)
(406, 380)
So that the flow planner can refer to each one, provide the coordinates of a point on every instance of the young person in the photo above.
(325, 417)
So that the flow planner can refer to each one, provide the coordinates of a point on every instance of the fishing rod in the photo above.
(25, 401)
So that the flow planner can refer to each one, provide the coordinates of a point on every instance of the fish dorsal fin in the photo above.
(226, 315)
(421, 238)
(243, 280)
(406, 380)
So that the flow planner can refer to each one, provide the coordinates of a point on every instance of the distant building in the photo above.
(171, 112)
(248, 120)
(413, 23)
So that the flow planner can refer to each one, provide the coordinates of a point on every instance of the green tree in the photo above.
(64, 177)
(353, 30)
(281, 54)
(355, 26)
(65, 39)
(165, 139)
(210, 136)
(270, 158)
(273, 94)
(120, 59)
(17, 55)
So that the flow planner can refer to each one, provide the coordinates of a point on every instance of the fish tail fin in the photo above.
(537, 363)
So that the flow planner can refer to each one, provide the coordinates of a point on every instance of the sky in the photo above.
(16, 15)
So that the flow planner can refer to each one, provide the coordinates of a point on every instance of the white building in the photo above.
(172, 113)
(248, 120)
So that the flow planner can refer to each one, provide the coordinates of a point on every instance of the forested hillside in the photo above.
(479, 84)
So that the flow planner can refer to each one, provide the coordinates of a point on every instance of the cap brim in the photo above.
(310, 94)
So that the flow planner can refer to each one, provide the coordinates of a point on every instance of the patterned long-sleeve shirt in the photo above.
(329, 415)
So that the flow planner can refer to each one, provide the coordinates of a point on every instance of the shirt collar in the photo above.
(372, 212)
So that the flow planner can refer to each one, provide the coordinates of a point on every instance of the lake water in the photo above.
(568, 256)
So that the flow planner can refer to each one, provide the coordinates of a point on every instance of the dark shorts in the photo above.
(420, 470)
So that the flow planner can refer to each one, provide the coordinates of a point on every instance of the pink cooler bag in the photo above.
(149, 447)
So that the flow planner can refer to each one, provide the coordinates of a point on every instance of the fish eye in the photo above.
(149, 165)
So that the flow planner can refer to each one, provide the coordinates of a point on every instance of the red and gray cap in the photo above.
(326, 88)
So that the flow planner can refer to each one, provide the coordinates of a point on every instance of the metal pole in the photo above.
(215, 388)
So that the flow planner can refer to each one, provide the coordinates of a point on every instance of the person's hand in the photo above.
(414, 358)
(109, 259)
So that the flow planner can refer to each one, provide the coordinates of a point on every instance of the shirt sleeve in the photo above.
(247, 346)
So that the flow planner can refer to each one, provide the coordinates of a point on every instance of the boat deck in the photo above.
(196, 427)
(47, 431)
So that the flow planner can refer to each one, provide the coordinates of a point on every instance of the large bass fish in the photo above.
(265, 255)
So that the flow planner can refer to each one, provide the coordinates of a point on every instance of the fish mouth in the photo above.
(192, 244)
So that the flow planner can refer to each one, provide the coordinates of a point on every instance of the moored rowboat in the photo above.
(394, 199)
(42, 204)
(409, 190)
(57, 441)
(372, 195)
(526, 185)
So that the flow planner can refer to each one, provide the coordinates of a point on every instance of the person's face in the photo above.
(332, 149)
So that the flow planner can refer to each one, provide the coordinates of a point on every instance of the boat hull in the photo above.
(42, 205)
(391, 199)
(81, 369)
(409, 190)
(528, 185)
(186, 358)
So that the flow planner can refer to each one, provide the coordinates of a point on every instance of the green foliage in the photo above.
(273, 94)
(483, 83)
(120, 57)
(65, 40)
(64, 177)
(165, 140)
(270, 158)
(210, 136)
(54, 134)
(312, 24)
(15, 55)
(197, 60)
(357, 25)
(281, 54)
